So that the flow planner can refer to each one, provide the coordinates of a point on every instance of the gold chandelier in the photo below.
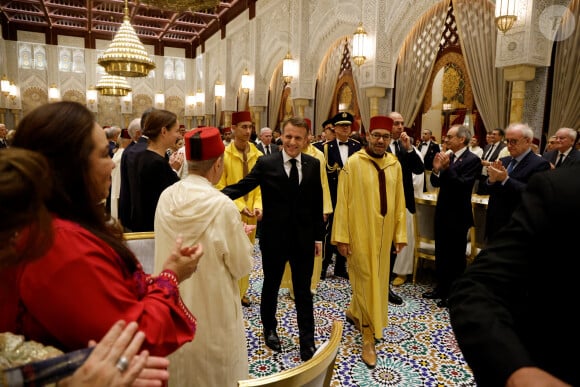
(183, 5)
(113, 85)
(126, 55)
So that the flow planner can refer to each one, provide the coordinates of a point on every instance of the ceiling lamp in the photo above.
(246, 81)
(113, 85)
(505, 14)
(5, 85)
(183, 5)
(126, 55)
(288, 65)
(219, 90)
(358, 45)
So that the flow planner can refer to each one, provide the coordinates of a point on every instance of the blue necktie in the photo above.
(511, 166)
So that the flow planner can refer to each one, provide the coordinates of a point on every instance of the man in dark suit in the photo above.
(428, 149)
(336, 153)
(454, 173)
(265, 146)
(292, 228)
(138, 145)
(411, 163)
(564, 152)
(490, 154)
(512, 328)
(508, 177)
(329, 135)
(3, 134)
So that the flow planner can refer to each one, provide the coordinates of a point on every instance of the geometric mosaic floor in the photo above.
(418, 348)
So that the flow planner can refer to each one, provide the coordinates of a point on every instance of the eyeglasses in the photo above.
(377, 136)
(450, 136)
(513, 141)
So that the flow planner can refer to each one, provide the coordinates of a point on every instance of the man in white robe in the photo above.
(194, 208)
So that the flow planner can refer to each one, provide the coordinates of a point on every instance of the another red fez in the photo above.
(308, 124)
(238, 117)
(227, 130)
(203, 144)
(381, 122)
(125, 134)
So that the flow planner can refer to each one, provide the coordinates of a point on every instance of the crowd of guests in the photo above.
(75, 188)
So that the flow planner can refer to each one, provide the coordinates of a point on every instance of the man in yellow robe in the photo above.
(369, 216)
(239, 159)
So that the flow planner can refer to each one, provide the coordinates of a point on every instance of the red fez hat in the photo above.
(203, 144)
(125, 134)
(238, 117)
(308, 124)
(381, 122)
(227, 130)
(536, 141)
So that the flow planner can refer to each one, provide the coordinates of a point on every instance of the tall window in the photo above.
(31, 56)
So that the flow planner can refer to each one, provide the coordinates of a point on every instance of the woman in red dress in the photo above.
(88, 279)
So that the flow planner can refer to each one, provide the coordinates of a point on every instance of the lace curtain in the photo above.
(564, 110)
(416, 61)
(326, 82)
(363, 101)
(478, 34)
(276, 90)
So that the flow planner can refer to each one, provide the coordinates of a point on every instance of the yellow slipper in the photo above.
(401, 279)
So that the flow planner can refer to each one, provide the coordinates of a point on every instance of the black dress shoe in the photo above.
(432, 295)
(272, 340)
(307, 353)
(394, 299)
(442, 303)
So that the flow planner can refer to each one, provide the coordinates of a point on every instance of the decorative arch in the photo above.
(32, 98)
(74, 96)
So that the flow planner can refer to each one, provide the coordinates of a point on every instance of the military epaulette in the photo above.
(357, 141)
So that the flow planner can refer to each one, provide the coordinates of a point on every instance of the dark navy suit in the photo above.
(453, 217)
(291, 223)
(128, 164)
(333, 166)
(552, 157)
(504, 198)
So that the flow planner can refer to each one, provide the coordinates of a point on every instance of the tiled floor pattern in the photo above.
(418, 349)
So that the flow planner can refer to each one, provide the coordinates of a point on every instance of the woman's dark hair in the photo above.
(63, 133)
(25, 183)
(156, 120)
